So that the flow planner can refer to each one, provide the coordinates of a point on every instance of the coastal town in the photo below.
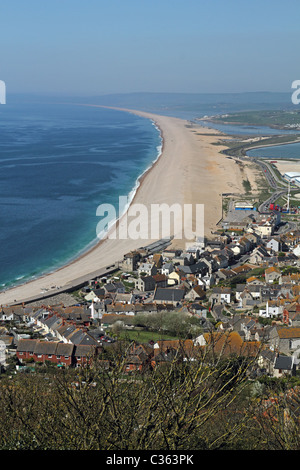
(242, 285)
(236, 287)
(150, 229)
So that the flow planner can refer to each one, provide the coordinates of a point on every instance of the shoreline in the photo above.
(250, 124)
(94, 244)
(282, 164)
(189, 169)
(272, 145)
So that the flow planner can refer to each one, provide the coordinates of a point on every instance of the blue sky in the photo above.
(119, 46)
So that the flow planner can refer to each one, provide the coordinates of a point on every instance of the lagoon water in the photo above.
(289, 151)
(58, 163)
(241, 130)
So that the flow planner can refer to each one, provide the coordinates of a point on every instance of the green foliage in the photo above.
(203, 404)
(242, 277)
(277, 119)
(247, 186)
(176, 324)
(290, 270)
(176, 407)
(145, 335)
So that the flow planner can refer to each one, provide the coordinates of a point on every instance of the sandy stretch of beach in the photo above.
(190, 170)
(285, 166)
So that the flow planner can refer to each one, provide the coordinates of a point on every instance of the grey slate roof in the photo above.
(268, 354)
(240, 287)
(110, 287)
(45, 347)
(196, 268)
(88, 340)
(284, 362)
(53, 322)
(77, 337)
(26, 345)
(221, 290)
(64, 349)
(84, 351)
(66, 330)
(167, 266)
(166, 294)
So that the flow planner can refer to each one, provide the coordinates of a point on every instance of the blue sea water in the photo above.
(58, 163)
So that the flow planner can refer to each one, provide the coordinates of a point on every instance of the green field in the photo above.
(277, 119)
(144, 336)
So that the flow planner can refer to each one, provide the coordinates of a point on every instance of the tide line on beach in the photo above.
(188, 170)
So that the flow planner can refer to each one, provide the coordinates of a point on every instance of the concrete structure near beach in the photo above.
(289, 170)
(293, 177)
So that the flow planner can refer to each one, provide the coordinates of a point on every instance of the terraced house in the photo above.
(55, 352)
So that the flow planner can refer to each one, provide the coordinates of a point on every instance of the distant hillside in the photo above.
(184, 105)
(280, 119)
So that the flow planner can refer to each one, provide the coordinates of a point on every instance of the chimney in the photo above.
(285, 316)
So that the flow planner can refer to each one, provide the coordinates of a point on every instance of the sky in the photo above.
(93, 47)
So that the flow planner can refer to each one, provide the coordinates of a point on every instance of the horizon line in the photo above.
(93, 94)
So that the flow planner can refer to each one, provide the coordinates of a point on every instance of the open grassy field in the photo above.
(144, 336)
(280, 119)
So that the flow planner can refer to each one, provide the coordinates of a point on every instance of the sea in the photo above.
(58, 163)
(60, 160)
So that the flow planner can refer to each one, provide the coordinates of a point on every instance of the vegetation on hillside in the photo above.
(208, 403)
(279, 119)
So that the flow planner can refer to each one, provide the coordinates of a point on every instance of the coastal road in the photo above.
(264, 207)
(77, 283)
(270, 175)
(81, 281)
(273, 182)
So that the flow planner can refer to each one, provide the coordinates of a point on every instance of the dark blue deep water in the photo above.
(58, 163)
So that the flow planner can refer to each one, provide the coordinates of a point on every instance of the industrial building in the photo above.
(244, 206)
(292, 176)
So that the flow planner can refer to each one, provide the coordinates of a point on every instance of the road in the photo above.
(273, 181)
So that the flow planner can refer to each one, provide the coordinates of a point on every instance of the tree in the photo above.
(199, 399)
(117, 328)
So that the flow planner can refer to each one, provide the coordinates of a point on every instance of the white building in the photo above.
(2, 353)
(271, 311)
(292, 176)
